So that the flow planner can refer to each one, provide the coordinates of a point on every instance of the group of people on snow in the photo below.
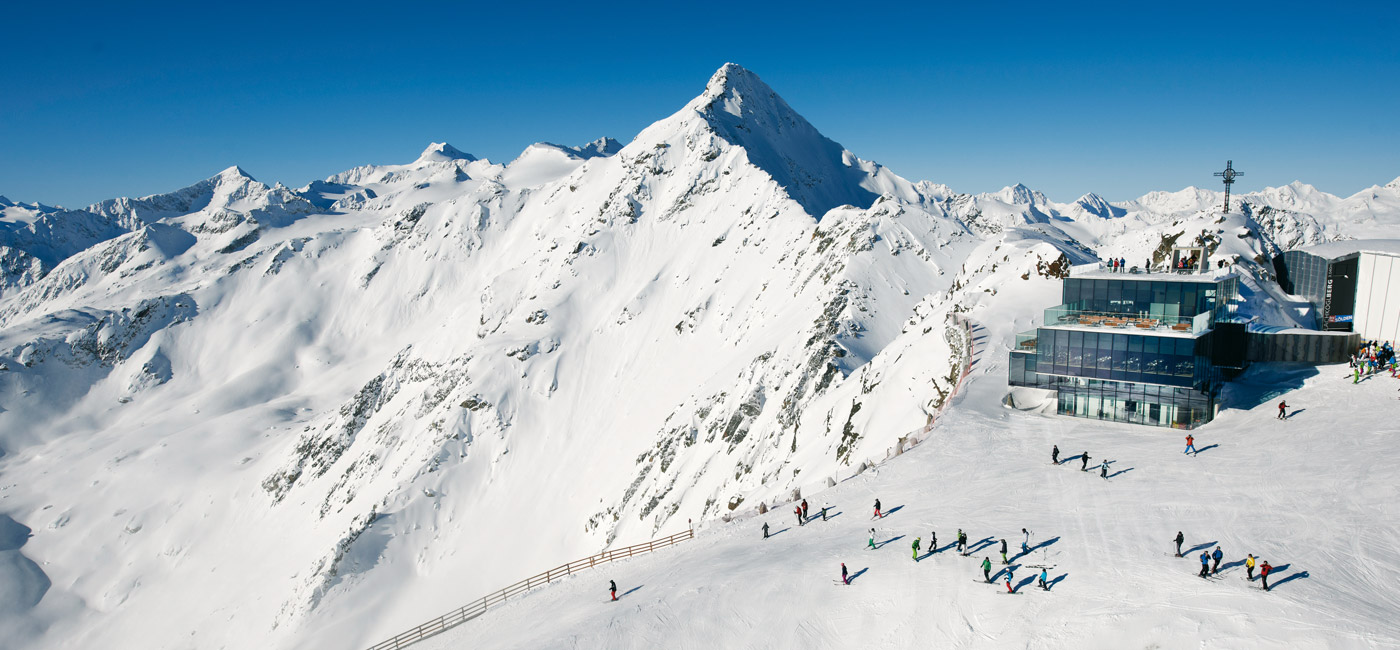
(1083, 462)
(1373, 357)
(1210, 562)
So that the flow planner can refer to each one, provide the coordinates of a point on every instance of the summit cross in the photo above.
(1229, 175)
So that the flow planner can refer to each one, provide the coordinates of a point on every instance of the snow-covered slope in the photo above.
(247, 415)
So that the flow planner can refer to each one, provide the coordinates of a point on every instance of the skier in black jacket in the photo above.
(1055, 455)
(1003, 553)
(1084, 462)
(1179, 539)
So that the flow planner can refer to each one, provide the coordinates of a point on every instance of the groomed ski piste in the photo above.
(1314, 495)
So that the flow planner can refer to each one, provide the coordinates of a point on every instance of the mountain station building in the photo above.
(1353, 285)
(1141, 348)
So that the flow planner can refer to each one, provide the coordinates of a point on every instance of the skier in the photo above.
(877, 509)
(1055, 455)
(1249, 566)
(1043, 584)
(1103, 470)
(798, 511)
(872, 538)
(932, 542)
(962, 542)
(1008, 582)
(1216, 556)
(804, 509)
(1179, 539)
(765, 530)
(1190, 445)
(1003, 553)
(1264, 570)
(844, 579)
(1283, 410)
(612, 587)
(916, 549)
(1026, 543)
(823, 512)
(987, 569)
(1205, 564)
(1084, 462)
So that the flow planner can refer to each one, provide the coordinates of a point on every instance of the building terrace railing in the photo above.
(1137, 322)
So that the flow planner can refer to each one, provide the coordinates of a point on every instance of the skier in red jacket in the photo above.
(1264, 570)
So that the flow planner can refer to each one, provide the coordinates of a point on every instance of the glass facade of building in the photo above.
(1133, 369)
(1329, 284)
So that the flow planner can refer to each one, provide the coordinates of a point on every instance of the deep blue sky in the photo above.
(1120, 99)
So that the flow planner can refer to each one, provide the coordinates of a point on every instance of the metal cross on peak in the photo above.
(1229, 175)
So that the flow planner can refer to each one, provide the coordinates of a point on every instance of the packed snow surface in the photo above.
(246, 415)
(1315, 496)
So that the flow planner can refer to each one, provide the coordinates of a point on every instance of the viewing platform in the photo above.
(1101, 271)
(1071, 317)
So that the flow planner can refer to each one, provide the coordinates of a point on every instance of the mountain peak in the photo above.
(601, 147)
(743, 110)
(443, 152)
(234, 173)
(733, 79)
(1019, 194)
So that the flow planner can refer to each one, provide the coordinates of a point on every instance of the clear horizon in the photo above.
(1119, 101)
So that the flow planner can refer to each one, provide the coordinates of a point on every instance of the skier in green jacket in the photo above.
(987, 569)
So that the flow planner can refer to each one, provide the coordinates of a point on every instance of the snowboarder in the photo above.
(1003, 553)
(1179, 539)
(987, 569)
(872, 538)
(916, 549)
(1283, 410)
(1205, 564)
(1084, 462)
(1103, 470)
(1042, 584)
(1026, 543)
(962, 542)
(804, 509)
(1190, 445)
(1249, 566)
(844, 579)
(1055, 455)
(1217, 555)
(612, 587)
(1264, 570)
(877, 508)
(765, 530)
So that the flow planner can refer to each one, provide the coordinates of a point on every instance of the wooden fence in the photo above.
(479, 606)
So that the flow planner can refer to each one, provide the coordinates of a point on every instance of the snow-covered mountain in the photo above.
(307, 417)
